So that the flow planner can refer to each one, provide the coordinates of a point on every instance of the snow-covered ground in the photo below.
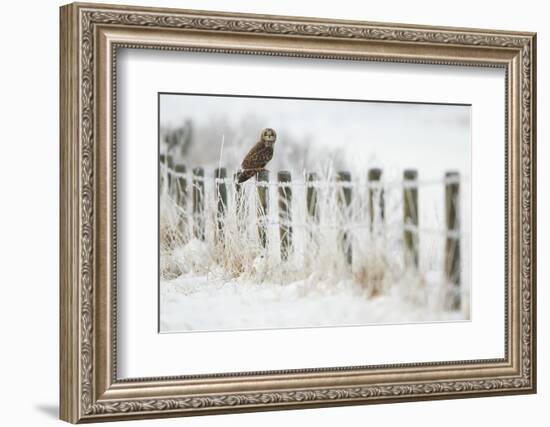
(200, 303)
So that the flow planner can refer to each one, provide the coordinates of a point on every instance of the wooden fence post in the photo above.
(313, 218)
(262, 210)
(198, 202)
(181, 196)
(452, 243)
(376, 194)
(238, 201)
(170, 168)
(181, 185)
(220, 174)
(410, 216)
(344, 199)
(162, 165)
(285, 213)
(312, 197)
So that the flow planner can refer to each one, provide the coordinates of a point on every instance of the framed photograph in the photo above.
(267, 212)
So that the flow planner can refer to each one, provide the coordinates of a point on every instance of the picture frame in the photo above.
(91, 37)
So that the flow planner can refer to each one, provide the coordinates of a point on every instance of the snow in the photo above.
(201, 303)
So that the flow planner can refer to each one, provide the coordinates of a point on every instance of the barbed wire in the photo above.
(345, 226)
(380, 185)
(452, 234)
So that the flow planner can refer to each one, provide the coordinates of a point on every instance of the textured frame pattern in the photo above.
(81, 355)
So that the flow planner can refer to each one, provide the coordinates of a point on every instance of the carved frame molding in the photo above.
(90, 35)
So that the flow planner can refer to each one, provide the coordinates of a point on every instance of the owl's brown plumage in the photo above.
(258, 156)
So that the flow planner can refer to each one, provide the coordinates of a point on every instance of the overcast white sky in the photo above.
(431, 138)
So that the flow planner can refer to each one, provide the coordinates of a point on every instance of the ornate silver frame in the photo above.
(90, 35)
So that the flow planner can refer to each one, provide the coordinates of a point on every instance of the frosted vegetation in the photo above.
(230, 280)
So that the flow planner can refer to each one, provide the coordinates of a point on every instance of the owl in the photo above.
(258, 156)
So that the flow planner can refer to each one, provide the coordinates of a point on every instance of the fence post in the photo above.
(262, 191)
(313, 217)
(162, 166)
(181, 185)
(312, 197)
(238, 201)
(170, 168)
(285, 213)
(410, 216)
(198, 202)
(221, 196)
(376, 193)
(181, 196)
(452, 243)
(344, 199)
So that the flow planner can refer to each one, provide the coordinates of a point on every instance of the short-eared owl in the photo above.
(258, 156)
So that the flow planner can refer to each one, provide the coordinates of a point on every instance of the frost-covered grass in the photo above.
(230, 281)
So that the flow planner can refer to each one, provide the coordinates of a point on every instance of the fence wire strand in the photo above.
(321, 185)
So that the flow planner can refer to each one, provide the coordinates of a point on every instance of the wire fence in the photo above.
(275, 210)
